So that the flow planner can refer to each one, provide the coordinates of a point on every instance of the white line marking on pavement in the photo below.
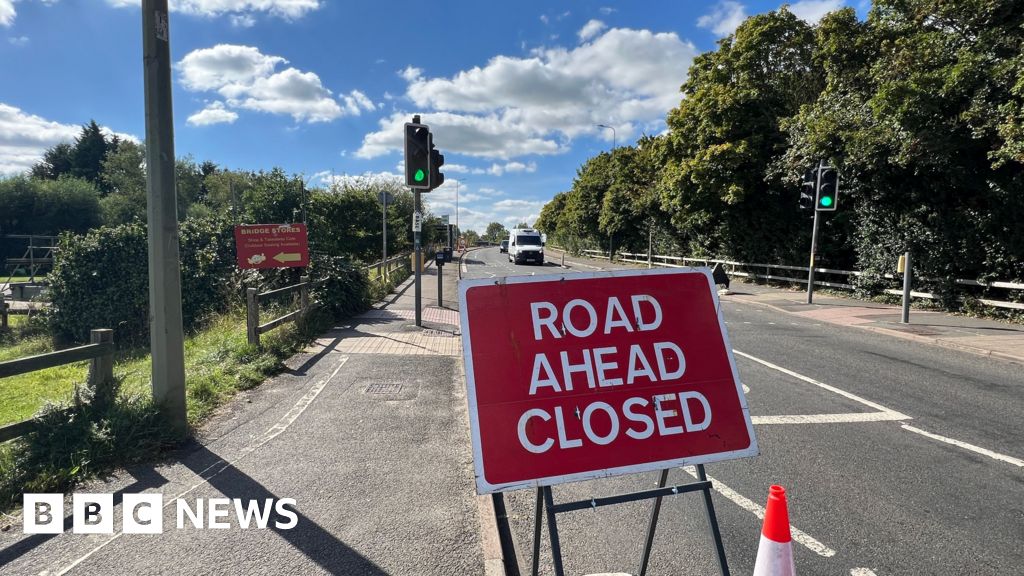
(750, 506)
(976, 449)
(465, 269)
(273, 432)
(746, 389)
(862, 572)
(829, 418)
(896, 415)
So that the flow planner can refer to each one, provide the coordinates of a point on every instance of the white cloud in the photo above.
(7, 12)
(248, 79)
(494, 169)
(287, 9)
(18, 41)
(724, 17)
(606, 10)
(25, 137)
(591, 29)
(515, 106)
(812, 11)
(214, 113)
(487, 136)
(243, 20)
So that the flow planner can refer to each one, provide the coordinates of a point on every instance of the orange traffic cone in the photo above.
(775, 553)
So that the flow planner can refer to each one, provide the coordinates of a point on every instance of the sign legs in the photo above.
(545, 503)
(652, 525)
(709, 509)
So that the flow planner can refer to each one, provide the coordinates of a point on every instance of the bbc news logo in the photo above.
(143, 513)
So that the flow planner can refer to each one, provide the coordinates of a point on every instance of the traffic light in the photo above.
(828, 189)
(436, 161)
(417, 155)
(808, 187)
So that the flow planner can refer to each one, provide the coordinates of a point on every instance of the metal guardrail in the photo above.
(752, 271)
(100, 352)
(386, 267)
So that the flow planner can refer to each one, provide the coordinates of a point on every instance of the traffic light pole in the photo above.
(814, 254)
(814, 236)
(419, 260)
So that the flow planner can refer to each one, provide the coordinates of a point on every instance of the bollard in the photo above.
(907, 271)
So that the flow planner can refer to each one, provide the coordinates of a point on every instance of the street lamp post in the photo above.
(612, 128)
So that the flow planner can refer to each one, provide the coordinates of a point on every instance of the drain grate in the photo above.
(384, 388)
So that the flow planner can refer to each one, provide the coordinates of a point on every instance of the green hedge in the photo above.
(101, 279)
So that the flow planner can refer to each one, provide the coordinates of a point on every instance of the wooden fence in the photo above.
(100, 353)
(252, 305)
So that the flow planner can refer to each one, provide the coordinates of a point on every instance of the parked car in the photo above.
(503, 247)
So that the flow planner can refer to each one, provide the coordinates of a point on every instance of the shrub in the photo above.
(345, 290)
(100, 280)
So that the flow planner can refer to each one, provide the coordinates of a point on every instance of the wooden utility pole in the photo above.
(167, 342)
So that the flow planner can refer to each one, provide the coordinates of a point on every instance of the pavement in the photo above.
(899, 456)
(367, 431)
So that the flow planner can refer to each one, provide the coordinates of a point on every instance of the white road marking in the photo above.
(862, 572)
(273, 432)
(896, 415)
(750, 506)
(465, 269)
(746, 389)
(829, 418)
(976, 449)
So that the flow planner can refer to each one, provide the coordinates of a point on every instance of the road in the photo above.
(898, 458)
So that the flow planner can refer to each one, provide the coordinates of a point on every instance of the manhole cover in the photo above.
(384, 388)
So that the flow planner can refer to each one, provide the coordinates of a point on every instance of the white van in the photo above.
(525, 245)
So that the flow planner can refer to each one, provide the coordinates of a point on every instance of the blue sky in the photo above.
(512, 90)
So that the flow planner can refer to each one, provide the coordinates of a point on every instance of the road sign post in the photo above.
(582, 376)
(167, 338)
(439, 263)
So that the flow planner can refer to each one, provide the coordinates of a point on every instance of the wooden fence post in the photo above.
(101, 369)
(304, 294)
(252, 315)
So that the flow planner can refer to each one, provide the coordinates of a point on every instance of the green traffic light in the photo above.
(826, 201)
(419, 176)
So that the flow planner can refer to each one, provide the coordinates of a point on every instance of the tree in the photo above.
(726, 134)
(90, 150)
(495, 232)
(124, 177)
(56, 162)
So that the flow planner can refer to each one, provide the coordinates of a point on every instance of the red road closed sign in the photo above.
(597, 374)
(271, 245)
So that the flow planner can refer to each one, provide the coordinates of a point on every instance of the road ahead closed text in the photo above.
(589, 376)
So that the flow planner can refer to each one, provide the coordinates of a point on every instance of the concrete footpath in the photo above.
(993, 338)
(367, 431)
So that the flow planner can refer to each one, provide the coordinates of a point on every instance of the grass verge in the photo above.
(78, 438)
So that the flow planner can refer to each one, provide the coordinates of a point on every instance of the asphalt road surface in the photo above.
(897, 457)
